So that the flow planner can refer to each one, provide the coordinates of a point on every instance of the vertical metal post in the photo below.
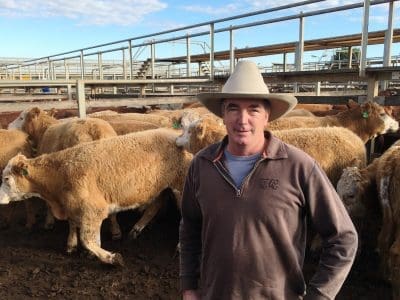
(188, 62)
(53, 71)
(123, 64)
(81, 63)
(389, 37)
(318, 88)
(153, 50)
(284, 62)
(364, 39)
(372, 88)
(231, 52)
(49, 68)
(80, 92)
(300, 46)
(212, 51)
(69, 91)
(350, 52)
(387, 50)
(100, 65)
(130, 59)
(66, 71)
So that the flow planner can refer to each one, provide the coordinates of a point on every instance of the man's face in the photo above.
(245, 120)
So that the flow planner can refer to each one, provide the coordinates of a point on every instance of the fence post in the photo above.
(80, 92)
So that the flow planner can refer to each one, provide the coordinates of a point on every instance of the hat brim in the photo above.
(281, 104)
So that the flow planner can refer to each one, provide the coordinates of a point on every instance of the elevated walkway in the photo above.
(374, 38)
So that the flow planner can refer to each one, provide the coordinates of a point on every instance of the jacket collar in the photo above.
(275, 148)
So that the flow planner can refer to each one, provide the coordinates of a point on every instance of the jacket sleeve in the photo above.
(339, 237)
(190, 235)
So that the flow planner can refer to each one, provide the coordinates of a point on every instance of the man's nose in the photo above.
(243, 117)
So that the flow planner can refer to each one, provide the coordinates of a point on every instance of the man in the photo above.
(246, 204)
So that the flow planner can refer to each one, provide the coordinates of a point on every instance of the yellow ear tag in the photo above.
(365, 115)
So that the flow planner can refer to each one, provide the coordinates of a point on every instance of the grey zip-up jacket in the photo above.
(249, 243)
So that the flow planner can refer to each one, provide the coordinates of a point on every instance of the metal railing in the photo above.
(129, 55)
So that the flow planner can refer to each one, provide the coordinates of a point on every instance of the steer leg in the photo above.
(49, 222)
(30, 214)
(115, 229)
(178, 198)
(385, 237)
(90, 238)
(394, 268)
(149, 213)
(72, 242)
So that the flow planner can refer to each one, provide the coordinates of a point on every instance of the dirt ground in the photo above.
(34, 264)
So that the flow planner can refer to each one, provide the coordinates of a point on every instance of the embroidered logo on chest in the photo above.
(269, 183)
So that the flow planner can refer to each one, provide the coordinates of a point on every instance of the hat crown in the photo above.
(245, 79)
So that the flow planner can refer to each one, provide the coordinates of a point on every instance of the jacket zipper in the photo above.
(227, 178)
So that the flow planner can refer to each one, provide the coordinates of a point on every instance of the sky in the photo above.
(38, 28)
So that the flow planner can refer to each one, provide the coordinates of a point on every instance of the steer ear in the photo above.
(352, 104)
(356, 162)
(367, 109)
(20, 168)
(33, 113)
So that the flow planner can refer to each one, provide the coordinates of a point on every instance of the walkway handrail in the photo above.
(264, 22)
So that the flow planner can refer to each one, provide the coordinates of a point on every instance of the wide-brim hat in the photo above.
(246, 82)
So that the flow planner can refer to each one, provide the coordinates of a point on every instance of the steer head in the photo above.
(188, 122)
(34, 122)
(351, 187)
(19, 122)
(15, 181)
(377, 119)
(199, 132)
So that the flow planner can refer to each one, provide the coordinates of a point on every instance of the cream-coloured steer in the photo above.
(86, 183)
(366, 120)
(334, 148)
(355, 186)
(49, 135)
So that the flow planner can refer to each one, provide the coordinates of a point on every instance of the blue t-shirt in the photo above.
(240, 166)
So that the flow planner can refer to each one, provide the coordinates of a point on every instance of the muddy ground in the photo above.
(34, 264)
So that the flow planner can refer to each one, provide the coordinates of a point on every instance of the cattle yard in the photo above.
(35, 263)
(128, 87)
(143, 67)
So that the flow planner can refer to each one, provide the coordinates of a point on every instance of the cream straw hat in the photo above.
(246, 82)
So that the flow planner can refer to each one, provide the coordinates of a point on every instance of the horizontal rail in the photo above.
(92, 82)
(70, 104)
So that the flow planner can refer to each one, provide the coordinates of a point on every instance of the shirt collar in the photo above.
(275, 148)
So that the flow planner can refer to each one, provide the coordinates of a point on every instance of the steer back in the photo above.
(67, 134)
(123, 171)
(366, 120)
